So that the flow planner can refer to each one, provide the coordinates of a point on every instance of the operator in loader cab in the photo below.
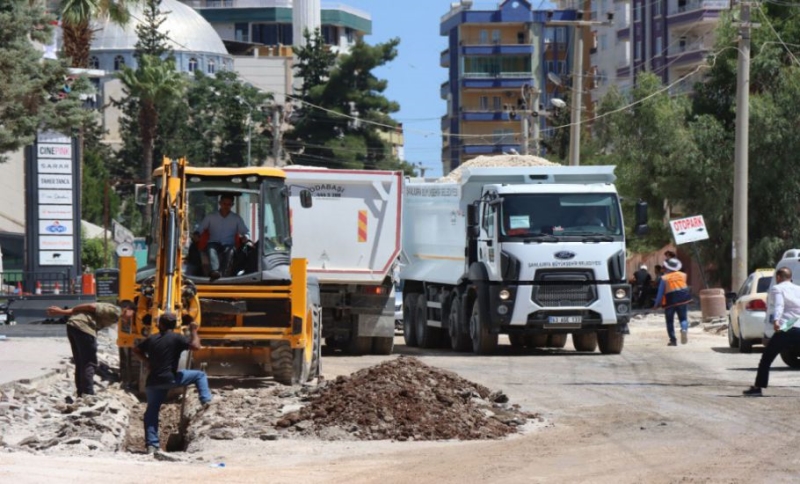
(223, 228)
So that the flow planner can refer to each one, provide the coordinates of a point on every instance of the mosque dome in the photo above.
(187, 30)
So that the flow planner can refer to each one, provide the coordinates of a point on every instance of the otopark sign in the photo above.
(52, 208)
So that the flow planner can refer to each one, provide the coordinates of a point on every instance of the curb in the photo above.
(30, 381)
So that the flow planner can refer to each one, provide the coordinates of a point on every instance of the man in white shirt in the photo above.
(223, 227)
(786, 319)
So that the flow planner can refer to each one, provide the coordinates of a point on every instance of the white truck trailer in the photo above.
(351, 237)
(536, 253)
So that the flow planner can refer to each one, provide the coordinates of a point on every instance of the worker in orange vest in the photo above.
(677, 296)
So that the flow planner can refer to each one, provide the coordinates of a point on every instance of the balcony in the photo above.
(444, 90)
(683, 7)
(444, 58)
(473, 114)
(505, 80)
(467, 47)
(491, 145)
(697, 45)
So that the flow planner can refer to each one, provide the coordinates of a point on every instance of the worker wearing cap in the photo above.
(642, 279)
(160, 353)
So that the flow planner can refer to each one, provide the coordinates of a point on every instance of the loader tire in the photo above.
(383, 345)
(459, 335)
(409, 319)
(483, 342)
(282, 362)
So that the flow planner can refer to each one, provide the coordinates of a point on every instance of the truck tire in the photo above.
(791, 357)
(383, 345)
(557, 340)
(459, 335)
(282, 362)
(427, 337)
(517, 340)
(611, 342)
(584, 341)
(536, 340)
(483, 342)
(359, 345)
(409, 318)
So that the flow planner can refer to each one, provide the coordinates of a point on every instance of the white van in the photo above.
(790, 259)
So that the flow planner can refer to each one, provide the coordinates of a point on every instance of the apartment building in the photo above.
(501, 62)
(671, 38)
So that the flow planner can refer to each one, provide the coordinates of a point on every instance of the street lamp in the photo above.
(249, 125)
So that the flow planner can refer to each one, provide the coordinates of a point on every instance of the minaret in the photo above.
(306, 14)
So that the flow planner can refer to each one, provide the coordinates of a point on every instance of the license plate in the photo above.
(565, 319)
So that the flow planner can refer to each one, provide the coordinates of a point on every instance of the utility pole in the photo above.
(277, 135)
(577, 77)
(739, 247)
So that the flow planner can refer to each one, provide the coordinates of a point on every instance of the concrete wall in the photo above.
(12, 193)
(270, 74)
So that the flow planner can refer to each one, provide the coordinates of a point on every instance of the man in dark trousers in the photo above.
(161, 352)
(785, 318)
(83, 323)
(643, 280)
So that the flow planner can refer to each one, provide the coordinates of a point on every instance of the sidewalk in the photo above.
(31, 358)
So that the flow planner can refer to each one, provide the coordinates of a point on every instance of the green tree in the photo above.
(36, 93)
(155, 84)
(94, 254)
(339, 122)
(151, 39)
(314, 62)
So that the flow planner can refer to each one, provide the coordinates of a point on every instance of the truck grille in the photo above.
(554, 289)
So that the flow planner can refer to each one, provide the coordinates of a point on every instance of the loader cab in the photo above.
(260, 198)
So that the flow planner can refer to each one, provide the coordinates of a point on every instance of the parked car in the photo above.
(749, 310)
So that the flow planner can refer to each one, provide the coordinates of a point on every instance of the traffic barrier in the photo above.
(87, 283)
(19, 287)
(38, 288)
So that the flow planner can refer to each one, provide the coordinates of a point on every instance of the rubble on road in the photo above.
(405, 399)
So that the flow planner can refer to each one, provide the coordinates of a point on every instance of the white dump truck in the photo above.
(351, 237)
(536, 253)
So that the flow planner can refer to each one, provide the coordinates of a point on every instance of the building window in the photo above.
(350, 34)
(483, 37)
(119, 63)
(212, 67)
(94, 62)
(603, 42)
(273, 34)
(637, 53)
(637, 12)
(659, 47)
(242, 32)
(330, 33)
(503, 136)
(192, 64)
(561, 34)
(496, 36)
(483, 103)
(497, 103)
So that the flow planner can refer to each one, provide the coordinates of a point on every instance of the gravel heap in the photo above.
(46, 415)
(496, 160)
(405, 399)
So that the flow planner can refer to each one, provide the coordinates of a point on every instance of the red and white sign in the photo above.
(55, 242)
(63, 152)
(55, 212)
(689, 229)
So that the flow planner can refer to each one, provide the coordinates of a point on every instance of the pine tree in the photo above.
(34, 93)
(152, 41)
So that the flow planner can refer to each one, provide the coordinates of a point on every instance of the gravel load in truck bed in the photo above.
(495, 161)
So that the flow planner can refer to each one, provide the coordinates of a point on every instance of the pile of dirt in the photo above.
(405, 399)
(494, 161)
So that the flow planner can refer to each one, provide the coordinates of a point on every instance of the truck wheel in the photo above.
(557, 340)
(791, 357)
(426, 336)
(611, 342)
(459, 336)
(536, 340)
(409, 318)
(733, 341)
(282, 362)
(359, 345)
(483, 342)
(517, 340)
(383, 345)
(584, 341)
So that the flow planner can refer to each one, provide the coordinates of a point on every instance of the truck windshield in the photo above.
(561, 214)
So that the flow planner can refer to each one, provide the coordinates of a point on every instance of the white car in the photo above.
(749, 310)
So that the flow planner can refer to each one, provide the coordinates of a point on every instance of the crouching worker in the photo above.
(160, 353)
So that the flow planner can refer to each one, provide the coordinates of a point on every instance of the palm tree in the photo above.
(76, 18)
(154, 84)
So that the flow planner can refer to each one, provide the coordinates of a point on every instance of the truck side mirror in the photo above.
(305, 198)
(472, 215)
(641, 218)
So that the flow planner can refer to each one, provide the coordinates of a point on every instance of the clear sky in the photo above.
(415, 75)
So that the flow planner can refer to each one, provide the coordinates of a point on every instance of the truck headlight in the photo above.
(504, 294)
(620, 293)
